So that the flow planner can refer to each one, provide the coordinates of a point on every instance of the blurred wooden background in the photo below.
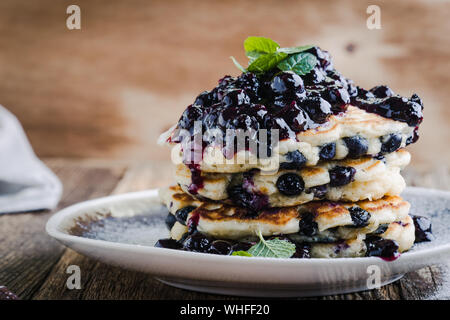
(107, 91)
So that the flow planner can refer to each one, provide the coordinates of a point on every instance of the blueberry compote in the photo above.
(289, 102)
(275, 99)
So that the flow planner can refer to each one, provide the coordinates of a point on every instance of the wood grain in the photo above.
(27, 253)
(34, 266)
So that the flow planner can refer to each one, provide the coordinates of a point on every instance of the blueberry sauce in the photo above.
(246, 196)
(423, 229)
(196, 178)
(193, 222)
(383, 248)
(291, 103)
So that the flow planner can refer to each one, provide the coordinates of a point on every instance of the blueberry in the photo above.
(307, 225)
(360, 217)
(253, 201)
(168, 244)
(242, 246)
(220, 247)
(250, 83)
(197, 242)
(236, 97)
(357, 146)
(315, 76)
(302, 251)
(390, 143)
(296, 161)
(327, 151)
(381, 229)
(323, 57)
(340, 176)
(423, 228)
(170, 221)
(290, 184)
(380, 247)
(319, 191)
(182, 214)
(287, 83)
(190, 115)
(294, 117)
(204, 99)
(317, 108)
(382, 91)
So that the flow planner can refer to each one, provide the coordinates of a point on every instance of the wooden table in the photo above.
(33, 265)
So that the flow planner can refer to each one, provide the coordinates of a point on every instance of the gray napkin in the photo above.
(26, 184)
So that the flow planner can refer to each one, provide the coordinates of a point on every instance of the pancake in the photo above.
(372, 179)
(402, 232)
(352, 134)
(314, 221)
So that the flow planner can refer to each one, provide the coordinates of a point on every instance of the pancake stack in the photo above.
(330, 189)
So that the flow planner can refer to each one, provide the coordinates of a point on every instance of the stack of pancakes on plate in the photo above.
(344, 206)
(329, 184)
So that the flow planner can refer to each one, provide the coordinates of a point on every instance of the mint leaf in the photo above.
(241, 253)
(301, 63)
(237, 64)
(266, 62)
(275, 248)
(292, 50)
(253, 55)
(260, 45)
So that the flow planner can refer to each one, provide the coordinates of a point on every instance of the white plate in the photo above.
(126, 239)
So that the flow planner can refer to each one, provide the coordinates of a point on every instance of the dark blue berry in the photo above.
(327, 151)
(317, 108)
(423, 229)
(204, 99)
(391, 142)
(220, 247)
(168, 244)
(182, 214)
(236, 97)
(253, 201)
(319, 191)
(290, 184)
(357, 146)
(170, 221)
(302, 251)
(296, 161)
(307, 225)
(197, 242)
(242, 246)
(340, 176)
(382, 91)
(360, 217)
(380, 247)
(381, 229)
(287, 83)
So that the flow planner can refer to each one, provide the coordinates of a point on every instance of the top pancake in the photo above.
(355, 122)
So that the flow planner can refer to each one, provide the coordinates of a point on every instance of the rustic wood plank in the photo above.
(27, 253)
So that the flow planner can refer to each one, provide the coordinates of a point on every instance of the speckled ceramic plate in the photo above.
(122, 230)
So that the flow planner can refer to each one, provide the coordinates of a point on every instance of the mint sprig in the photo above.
(265, 54)
(267, 61)
(301, 63)
(274, 248)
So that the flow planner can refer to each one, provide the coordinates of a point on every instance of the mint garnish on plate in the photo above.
(275, 248)
(265, 54)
